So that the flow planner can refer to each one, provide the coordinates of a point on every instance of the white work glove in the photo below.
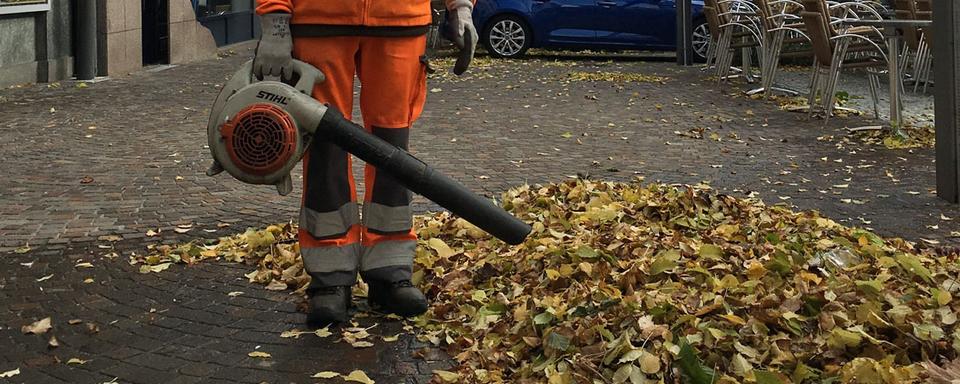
(274, 55)
(461, 31)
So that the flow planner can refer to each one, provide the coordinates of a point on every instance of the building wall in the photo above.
(18, 55)
(121, 33)
(36, 46)
(189, 41)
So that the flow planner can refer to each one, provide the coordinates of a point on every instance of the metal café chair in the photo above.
(739, 20)
(781, 25)
(833, 50)
(713, 24)
(924, 62)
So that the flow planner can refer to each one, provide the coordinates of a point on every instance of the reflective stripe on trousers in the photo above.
(386, 219)
(331, 259)
(387, 253)
(329, 224)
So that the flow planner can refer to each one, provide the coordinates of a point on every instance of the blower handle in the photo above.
(421, 178)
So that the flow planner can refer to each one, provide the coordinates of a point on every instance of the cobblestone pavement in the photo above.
(121, 157)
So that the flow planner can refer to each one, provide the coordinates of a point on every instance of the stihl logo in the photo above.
(272, 97)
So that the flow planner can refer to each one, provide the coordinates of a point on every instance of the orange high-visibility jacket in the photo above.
(374, 13)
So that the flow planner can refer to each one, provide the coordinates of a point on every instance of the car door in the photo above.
(561, 22)
(644, 23)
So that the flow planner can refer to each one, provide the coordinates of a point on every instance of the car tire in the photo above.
(700, 40)
(507, 36)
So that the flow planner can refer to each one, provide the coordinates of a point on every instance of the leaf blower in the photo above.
(259, 130)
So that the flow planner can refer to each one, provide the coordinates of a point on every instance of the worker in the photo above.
(382, 43)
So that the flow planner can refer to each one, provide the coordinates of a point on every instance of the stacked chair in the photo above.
(924, 62)
(739, 29)
(818, 29)
(780, 25)
(836, 47)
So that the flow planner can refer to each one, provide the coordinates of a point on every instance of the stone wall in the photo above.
(189, 41)
(18, 55)
(121, 33)
(36, 46)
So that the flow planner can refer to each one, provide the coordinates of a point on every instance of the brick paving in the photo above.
(121, 157)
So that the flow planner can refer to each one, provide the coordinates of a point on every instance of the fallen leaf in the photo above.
(359, 377)
(235, 293)
(53, 343)
(45, 278)
(76, 361)
(361, 344)
(391, 339)
(447, 376)
(259, 355)
(276, 285)
(443, 250)
(325, 375)
(154, 268)
(10, 373)
(38, 327)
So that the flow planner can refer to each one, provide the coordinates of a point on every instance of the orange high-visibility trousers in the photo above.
(334, 241)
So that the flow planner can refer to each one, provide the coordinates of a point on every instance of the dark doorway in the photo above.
(156, 32)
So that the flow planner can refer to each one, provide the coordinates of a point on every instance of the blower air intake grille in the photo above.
(261, 139)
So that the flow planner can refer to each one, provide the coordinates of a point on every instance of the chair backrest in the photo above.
(817, 30)
(907, 10)
(766, 14)
(713, 22)
(820, 6)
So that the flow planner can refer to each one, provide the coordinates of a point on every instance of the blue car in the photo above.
(508, 28)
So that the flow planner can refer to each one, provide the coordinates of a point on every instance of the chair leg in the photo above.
(919, 64)
(874, 80)
(711, 55)
(723, 52)
(815, 85)
(834, 77)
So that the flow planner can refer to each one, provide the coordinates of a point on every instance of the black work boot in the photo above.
(399, 297)
(328, 305)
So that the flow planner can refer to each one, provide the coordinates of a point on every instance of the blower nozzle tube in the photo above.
(421, 178)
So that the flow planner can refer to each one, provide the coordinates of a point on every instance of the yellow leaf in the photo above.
(359, 377)
(734, 319)
(391, 339)
(649, 363)
(325, 375)
(38, 327)
(943, 297)
(443, 250)
(553, 274)
(447, 376)
(259, 354)
(76, 361)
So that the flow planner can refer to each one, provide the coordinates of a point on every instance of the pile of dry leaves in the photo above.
(645, 284)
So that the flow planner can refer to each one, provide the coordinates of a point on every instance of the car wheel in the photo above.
(507, 36)
(701, 40)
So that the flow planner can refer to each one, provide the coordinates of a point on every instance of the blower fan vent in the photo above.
(260, 139)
